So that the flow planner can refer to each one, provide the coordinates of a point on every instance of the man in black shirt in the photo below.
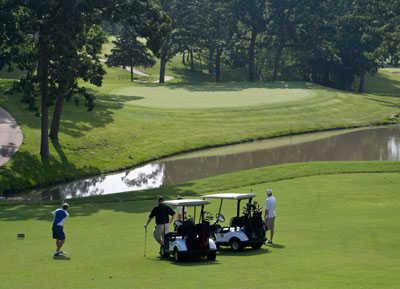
(162, 213)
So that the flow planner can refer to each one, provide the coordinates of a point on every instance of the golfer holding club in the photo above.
(269, 206)
(162, 213)
(59, 217)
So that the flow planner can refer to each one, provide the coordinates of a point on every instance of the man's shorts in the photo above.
(271, 224)
(58, 233)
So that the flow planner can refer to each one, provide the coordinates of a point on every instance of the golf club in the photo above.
(145, 241)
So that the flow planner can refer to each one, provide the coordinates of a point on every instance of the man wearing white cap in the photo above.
(60, 215)
(269, 206)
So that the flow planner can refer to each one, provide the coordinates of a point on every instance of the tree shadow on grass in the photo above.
(239, 86)
(386, 103)
(130, 202)
(27, 169)
(76, 120)
(381, 85)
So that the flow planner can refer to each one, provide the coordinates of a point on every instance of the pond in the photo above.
(381, 143)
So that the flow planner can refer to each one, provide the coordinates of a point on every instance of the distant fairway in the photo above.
(211, 95)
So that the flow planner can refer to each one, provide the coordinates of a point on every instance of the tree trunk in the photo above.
(55, 123)
(191, 59)
(217, 64)
(361, 87)
(163, 60)
(183, 58)
(163, 63)
(210, 61)
(131, 66)
(277, 61)
(43, 72)
(252, 55)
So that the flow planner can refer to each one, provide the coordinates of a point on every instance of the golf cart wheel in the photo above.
(212, 256)
(163, 252)
(177, 255)
(256, 245)
(236, 245)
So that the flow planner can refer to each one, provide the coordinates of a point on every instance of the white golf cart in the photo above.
(244, 230)
(190, 239)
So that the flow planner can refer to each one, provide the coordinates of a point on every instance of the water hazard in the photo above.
(369, 144)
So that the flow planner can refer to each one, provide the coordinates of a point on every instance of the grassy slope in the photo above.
(333, 231)
(120, 134)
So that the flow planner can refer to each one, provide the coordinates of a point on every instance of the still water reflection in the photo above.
(369, 144)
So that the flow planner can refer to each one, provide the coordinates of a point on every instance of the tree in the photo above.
(77, 59)
(58, 33)
(253, 15)
(130, 51)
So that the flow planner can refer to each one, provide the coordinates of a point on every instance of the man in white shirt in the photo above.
(59, 217)
(269, 206)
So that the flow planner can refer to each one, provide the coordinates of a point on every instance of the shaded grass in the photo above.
(385, 82)
(120, 134)
(330, 229)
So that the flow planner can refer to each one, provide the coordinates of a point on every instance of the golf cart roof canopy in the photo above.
(230, 196)
(186, 202)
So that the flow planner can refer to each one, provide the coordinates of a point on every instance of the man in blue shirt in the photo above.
(60, 215)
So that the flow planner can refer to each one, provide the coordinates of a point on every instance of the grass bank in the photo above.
(133, 123)
(336, 222)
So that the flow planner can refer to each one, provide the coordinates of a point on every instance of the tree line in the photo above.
(57, 42)
(328, 42)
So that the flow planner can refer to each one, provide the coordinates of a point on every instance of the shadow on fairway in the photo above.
(131, 202)
(25, 163)
(238, 86)
(194, 262)
(76, 118)
(61, 258)
(277, 246)
(380, 84)
(245, 252)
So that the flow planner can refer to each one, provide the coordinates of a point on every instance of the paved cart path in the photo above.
(10, 136)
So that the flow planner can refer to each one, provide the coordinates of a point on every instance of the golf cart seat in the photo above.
(187, 229)
(237, 222)
(200, 238)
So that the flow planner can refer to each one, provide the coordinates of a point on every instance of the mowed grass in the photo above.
(333, 231)
(127, 129)
(211, 95)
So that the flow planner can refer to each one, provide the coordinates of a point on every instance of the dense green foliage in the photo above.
(55, 43)
(328, 42)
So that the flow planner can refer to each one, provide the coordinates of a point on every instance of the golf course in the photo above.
(336, 221)
(334, 230)
(271, 128)
(184, 116)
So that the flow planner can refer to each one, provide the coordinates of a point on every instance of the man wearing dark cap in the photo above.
(59, 217)
(163, 215)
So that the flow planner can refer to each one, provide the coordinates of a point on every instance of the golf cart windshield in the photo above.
(230, 196)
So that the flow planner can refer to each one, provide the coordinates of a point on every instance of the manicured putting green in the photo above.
(211, 95)
(333, 231)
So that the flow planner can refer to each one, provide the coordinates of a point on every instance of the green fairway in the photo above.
(333, 231)
(211, 95)
(125, 130)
